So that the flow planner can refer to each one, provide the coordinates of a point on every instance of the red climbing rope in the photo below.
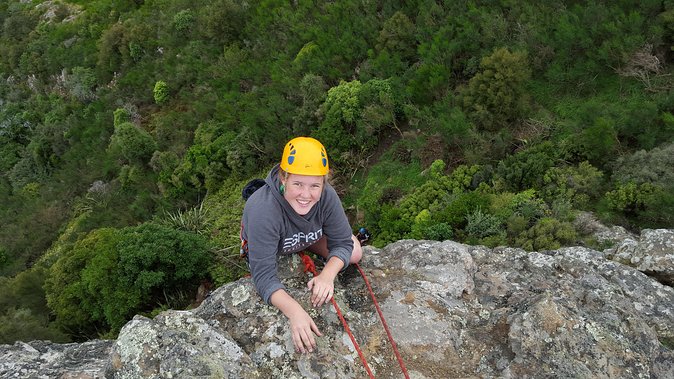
(311, 267)
(383, 322)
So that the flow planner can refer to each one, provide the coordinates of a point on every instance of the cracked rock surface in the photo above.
(455, 311)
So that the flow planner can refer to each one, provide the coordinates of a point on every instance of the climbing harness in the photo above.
(309, 266)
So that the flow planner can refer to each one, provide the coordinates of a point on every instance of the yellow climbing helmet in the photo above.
(305, 156)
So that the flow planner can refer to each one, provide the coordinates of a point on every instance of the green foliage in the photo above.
(422, 222)
(224, 220)
(496, 96)
(21, 324)
(439, 232)
(547, 234)
(24, 291)
(81, 83)
(112, 274)
(386, 182)
(355, 115)
(132, 143)
(130, 176)
(480, 224)
(578, 185)
(597, 143)
(655, 166)
(519, 210)
(313, 91)
(456, 208)
(24, 315)
(306, 59)
(204, 165)
(65, 291)
(195, 220)
(160, 92)
(442, 196)
(527, 168)
(341, 108)
(388, 86)
(4, 257)
(397, 36)
(121, 115)
(632, 198)
(183, 21)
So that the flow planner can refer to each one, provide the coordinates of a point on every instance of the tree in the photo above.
(313, 90)
(132, 143)
(527, 168)
(397, 36)
(112, 274)
(160, 92)
(496, 96)
(580, 185)
(183, 21)
(81, 83)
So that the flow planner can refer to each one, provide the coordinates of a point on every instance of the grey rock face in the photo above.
(455, 311)
(652, 254)
(43, 359)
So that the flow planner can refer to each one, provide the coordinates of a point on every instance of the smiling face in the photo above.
(302, 192)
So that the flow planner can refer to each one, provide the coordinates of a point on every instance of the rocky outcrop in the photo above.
(454, 310)
(652, 253)
(43, 359)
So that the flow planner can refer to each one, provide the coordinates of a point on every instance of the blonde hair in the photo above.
(283, 176)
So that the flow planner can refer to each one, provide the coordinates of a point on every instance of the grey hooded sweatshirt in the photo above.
(270, 227)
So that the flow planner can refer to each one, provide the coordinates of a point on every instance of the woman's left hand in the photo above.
(322, 288)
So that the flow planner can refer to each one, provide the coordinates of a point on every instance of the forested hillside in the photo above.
(129, 127)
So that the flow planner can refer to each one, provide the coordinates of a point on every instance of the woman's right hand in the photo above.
(302, 327)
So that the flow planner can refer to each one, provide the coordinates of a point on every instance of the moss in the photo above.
(667, 342)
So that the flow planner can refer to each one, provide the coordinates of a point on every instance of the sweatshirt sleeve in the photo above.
(261, 230)
(336, 227)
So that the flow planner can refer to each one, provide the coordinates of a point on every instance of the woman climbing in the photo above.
(297, 209)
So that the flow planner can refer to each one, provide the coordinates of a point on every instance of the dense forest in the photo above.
(129, 127)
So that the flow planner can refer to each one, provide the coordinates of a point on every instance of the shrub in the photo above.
(313, 91)
(442, 195)
(195, 220)
(223, 222)
(421, 222)
(354, 115)
(527, 168)
(160, 92)
(578, 185)
(631, 198)
(183, 20)
(20, 324)
(496, 96)
(132, 143)
(120, 115)
(655, 166)
(397, 36)
(204, 165)
(547, 234)
(112, 274)
(439, 232)
(454, 209)
(480, 224)
(81, 83)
